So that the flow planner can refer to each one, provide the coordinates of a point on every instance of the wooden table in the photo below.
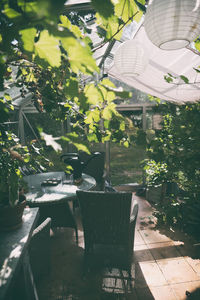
(54, 201)
(14, 256)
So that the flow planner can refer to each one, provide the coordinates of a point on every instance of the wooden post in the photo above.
(144, 118)
(107, 160)
(21, 127)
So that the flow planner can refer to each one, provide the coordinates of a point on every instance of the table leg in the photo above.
(30, 287)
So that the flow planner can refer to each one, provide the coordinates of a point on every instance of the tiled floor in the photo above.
(166, 267)
(167, 263)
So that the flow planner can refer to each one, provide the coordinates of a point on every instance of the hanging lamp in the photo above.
(130, 59)
(172, 24)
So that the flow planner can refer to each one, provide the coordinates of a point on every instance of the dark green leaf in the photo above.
(141, 6)
(105, 9)
(185, 79)
(198, 71)
(168, 79)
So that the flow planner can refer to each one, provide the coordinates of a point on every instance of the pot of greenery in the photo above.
(12, 200)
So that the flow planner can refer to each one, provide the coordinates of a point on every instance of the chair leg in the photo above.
(76, 232)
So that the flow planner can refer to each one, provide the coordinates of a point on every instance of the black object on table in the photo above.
(54, 199)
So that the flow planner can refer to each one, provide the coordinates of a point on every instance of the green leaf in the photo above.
(11, 13)
(72, 88)
(80, 56)
(93, 94)
(110, 26)
(92, 116)
(127, 9)
(47, 48)
(172, 76)
(168, 79)
(81, 147)
(107, 113)
(106, 9)
(91, 137)
(26, 159)
(123, 94)
(197, 45)
(126, 144)
(7, 97)
(65, 22)
(28, 36)
(197, 70)
(185, 79)
(122, 126)
(141, 5)
(108, 83)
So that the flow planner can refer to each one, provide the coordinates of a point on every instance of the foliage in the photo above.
(174, 156)
(44, 51)
(169, 213)
(14, 157)
(156, 173)
(51, 53)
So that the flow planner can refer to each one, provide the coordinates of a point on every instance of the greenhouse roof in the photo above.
(160, 63)
(151, 81)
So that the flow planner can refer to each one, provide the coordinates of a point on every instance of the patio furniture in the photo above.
(39, 250)
(95, 167)
(55, 200)
(91, 164)
(109, 220)
(16, 278)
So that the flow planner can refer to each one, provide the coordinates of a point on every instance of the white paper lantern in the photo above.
(130, 59)
(172, 24)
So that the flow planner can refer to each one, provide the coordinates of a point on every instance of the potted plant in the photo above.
(12, 200)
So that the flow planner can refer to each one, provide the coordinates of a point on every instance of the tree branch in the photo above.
(99, 47)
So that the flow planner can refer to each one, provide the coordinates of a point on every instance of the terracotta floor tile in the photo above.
(156, 293)
(138, 238)
(177, 270)
(153, 236)
(148, 273)
(194, 263)
(163, 250)
(163, 293)
(142, 254)
(145, 208)
(146, 223)
(181, 289)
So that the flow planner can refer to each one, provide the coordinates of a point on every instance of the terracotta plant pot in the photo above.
(11, 217)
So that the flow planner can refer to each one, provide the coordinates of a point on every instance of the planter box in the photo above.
(11, 217)
(153, 194)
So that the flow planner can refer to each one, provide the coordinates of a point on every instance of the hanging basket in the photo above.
(11, 216)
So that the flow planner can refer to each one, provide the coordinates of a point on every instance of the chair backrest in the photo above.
(39, 249)
(95, 166)
(105, 216)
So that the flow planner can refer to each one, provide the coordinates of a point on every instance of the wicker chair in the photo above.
(109, 220)
(94, 166)
(39, 250)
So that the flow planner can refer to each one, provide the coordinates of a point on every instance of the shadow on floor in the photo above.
(66, 281)
(155, 253)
